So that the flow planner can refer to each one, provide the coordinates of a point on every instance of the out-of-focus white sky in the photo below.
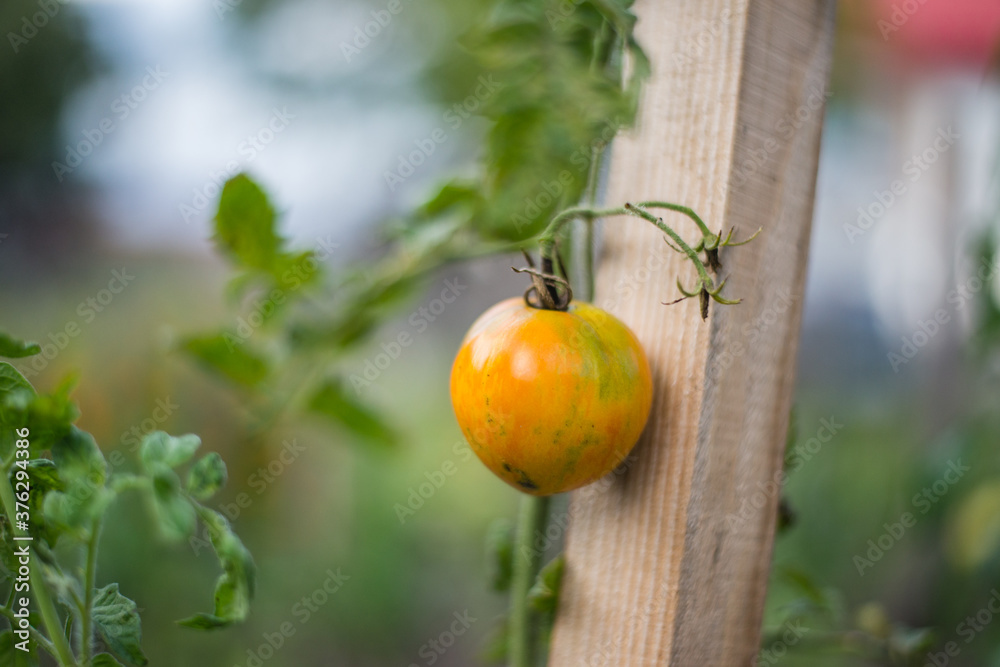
(325, 166)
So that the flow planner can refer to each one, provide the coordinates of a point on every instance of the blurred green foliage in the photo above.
(59, 504)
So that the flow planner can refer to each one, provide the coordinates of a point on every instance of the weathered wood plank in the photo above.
(669, 563)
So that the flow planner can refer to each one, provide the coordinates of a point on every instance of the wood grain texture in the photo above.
(667, 561)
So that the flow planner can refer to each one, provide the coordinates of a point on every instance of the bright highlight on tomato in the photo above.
(549, 400)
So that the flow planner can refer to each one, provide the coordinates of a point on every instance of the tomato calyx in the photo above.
(548, 291)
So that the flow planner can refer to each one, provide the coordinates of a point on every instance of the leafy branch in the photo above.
(65, 490)
(567, 78)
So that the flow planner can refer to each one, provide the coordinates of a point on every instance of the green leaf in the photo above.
(177, 517)
(226, 355)
(12, 656)
(75, 509)
(544, 595)
(117, 622)
(500, 554)
(160, 448)
(346, 332)
(244, 225)
(334, 402)
(105, 660)
(206, 476)
(12, 348)
(235, 588)
(292, 272)
(81, 495)
(450, 196)
(43, 476)
(77, 456)
(48, 417)
(12, 382)
(203, 621)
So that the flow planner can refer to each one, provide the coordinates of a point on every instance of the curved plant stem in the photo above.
(50, 618)
(685, 248)
(547, 241)
(532, 517)
(680, 209)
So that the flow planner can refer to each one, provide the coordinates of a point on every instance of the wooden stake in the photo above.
(668, 564)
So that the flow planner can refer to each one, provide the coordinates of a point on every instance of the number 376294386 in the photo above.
(22, 487)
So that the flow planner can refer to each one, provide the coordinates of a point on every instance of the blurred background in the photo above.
(121, 119)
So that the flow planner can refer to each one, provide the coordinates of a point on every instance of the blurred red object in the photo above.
(942, 31)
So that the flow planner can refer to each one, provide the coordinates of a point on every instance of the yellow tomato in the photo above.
(550, 400)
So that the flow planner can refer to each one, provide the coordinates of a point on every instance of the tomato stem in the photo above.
(705, 288)
(532, 517)
(50, 618)
(685, 248)
(90, 581)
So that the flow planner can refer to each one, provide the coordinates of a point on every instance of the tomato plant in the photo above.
(570, 80)
(55, 488)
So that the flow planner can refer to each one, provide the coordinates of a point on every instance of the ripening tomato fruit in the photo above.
(550, 400)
